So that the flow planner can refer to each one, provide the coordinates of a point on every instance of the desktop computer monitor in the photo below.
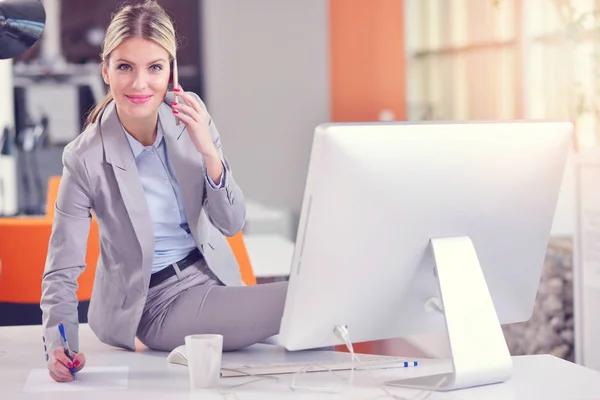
(408, 229)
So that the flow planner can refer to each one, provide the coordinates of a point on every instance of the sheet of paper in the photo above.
(89, 378)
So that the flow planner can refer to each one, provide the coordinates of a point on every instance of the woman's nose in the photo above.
(140, 82)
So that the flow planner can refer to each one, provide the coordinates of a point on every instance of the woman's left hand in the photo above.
(197, 120)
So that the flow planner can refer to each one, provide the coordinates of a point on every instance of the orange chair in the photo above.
(23, 249)
(238, 246)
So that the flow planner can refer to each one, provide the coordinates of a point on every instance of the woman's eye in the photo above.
(156, 68)
(123, 67)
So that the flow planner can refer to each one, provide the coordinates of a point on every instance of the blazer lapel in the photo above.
(118, 153)
(187, 164)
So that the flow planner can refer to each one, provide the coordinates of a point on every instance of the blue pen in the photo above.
(61, 329)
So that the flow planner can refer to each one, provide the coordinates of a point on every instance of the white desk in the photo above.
(152, 377)
(261, 219)
(270, 255)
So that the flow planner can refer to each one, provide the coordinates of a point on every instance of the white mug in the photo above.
(204, 359)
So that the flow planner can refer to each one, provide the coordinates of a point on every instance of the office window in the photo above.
(461, 59)
(505, 59)
(563, 61)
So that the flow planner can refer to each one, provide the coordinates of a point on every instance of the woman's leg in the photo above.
(244, 315)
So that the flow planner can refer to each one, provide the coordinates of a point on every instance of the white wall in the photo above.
(266, 65)
(6, 94)
(8, 182)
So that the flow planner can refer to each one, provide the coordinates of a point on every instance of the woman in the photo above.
(164, 197)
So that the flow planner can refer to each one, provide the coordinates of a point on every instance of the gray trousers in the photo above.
(194, 302)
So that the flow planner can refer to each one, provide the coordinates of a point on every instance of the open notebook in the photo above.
(265, 359)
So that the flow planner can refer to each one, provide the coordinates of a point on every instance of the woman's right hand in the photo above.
(59, 365)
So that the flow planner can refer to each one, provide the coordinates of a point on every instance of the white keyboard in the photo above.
(334, 361)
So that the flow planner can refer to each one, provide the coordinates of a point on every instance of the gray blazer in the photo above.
(100, 175)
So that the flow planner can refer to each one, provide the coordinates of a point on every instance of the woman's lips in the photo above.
(139, 99)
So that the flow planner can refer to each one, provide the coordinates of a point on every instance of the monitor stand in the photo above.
(480, 354)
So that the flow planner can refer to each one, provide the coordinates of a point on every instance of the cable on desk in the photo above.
(226, 394)
(343, 334)
(327, 389)
(292, 386)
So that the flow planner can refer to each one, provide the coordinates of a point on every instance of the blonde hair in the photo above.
(147, 20)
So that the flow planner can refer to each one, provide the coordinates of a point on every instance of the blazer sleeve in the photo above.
(67, 248)
(224, 205)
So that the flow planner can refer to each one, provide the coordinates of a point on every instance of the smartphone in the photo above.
(175, 84)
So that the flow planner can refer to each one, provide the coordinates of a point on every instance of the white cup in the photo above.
(204, 359)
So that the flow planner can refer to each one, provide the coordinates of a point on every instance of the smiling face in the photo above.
(138, 73)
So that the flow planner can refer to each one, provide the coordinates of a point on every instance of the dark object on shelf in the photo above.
(21, 25)
(29, 141)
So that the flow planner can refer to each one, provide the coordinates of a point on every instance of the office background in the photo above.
(271, 70)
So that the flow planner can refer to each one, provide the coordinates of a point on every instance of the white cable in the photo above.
(327, 389)
(343, 334)
(292, 386)
(226, 394)
(259, 377)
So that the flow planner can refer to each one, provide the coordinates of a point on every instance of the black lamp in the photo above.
(21, 25)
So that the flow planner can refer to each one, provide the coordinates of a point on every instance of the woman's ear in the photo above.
(105, 74)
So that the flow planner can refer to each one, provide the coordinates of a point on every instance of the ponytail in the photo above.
(97, 110)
